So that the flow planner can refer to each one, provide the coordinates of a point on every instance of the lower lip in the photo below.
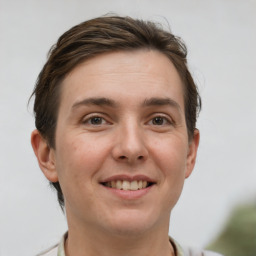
(129, 194)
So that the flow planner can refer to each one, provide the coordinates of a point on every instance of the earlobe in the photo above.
(45, 156)
(192, 152)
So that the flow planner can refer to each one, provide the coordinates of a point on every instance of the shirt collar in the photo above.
(61, 248)
(177, 248)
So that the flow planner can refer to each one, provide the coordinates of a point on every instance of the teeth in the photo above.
(127, 185)
(140, 184)
(119, 184)
(134, 185)
(113, 184)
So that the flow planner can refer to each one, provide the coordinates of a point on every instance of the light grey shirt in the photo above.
(58, 250)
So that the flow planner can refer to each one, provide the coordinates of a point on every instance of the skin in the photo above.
(138, 128)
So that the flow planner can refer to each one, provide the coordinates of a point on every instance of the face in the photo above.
(122, 150)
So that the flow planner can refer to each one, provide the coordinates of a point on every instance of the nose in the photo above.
(130, 145)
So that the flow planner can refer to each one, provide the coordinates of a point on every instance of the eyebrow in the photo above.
(102, 101)
(161, 102)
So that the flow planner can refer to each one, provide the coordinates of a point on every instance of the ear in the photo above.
(45, 156)
(192, 152)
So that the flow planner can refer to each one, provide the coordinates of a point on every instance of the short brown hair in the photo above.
(97, 36)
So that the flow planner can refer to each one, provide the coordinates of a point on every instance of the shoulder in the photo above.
(53, 251)
(57, 249)
(189, 251)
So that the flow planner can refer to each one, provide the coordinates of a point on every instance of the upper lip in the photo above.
(128, 178)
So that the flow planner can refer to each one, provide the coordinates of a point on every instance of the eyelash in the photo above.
(165, 120)
(89, 119)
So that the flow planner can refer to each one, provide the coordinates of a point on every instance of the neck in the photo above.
(92, 242)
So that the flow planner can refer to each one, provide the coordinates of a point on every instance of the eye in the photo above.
(160, 120)
(95, 120)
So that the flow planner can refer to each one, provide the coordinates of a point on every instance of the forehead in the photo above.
(144, 73)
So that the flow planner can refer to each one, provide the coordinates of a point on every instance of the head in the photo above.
(94, 38)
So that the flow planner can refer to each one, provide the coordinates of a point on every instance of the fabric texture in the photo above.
(58, 250)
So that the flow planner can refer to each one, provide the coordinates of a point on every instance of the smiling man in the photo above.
(115, 109)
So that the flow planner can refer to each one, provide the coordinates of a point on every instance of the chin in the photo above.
(132, 223)
(129, 230)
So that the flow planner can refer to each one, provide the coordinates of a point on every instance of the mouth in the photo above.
(128, 185)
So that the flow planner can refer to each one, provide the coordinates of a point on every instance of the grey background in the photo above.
(221, 39)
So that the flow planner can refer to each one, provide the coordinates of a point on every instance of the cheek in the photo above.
(171, 155)
(80, 157)
(77, 162)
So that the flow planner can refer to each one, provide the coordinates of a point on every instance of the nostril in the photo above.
(129, 159)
